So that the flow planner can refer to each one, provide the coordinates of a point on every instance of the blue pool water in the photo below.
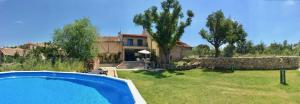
(58, 88)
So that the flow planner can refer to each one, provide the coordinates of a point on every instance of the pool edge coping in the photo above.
(138, 99)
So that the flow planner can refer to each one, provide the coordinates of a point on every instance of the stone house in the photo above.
(30, 45)
(128, 46)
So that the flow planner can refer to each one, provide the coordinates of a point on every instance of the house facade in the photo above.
(128, 46)
(10, 52)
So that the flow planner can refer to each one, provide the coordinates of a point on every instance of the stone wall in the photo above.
(263, 63)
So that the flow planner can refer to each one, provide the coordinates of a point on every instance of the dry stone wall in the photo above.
(263, 63)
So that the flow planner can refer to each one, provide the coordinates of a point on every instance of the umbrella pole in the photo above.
(145, 67)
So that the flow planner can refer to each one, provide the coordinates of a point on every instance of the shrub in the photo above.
(34, 64)
(109, 57)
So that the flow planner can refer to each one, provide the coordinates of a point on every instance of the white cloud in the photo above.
(19, 22)
(289, 2)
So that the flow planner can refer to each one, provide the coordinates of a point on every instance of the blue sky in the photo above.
(24, 21)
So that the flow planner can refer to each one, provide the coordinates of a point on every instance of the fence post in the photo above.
(232, 67)
(282, 77)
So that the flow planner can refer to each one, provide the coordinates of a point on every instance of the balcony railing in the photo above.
(136, 45)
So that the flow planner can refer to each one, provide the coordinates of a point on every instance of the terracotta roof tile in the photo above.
(134, 35)
(182, 44)
(12, 51)
(109, 38)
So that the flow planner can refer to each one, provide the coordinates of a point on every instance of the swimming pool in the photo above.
(65, 88)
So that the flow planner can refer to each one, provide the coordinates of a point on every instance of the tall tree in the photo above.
(260, 48)
(246, 47)
(77, 39)
(222, 30)
(164, 26)
(275, 48)
(201, 50)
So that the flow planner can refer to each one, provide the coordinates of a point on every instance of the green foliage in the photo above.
(17, 55)
(274, 49)
(201, 50)
(153, 57)
(109, 57)
(222, 30)
(246, 47)
(296, 49)
(164, 26)
(34, 64)
(229, 50)
(1, 59)
(12, 59)
(260, 48)
(8, 59)
(77, 39)
(51, 50)
(282, 49)
(48, 52)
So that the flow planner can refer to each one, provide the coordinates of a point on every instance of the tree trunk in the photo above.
(165, 57)
(217, 53)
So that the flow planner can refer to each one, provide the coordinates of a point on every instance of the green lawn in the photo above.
(204, 87)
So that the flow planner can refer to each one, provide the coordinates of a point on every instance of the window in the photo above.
(140, 42)
(129, 42)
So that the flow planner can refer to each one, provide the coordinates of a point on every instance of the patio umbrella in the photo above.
(144, 52)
